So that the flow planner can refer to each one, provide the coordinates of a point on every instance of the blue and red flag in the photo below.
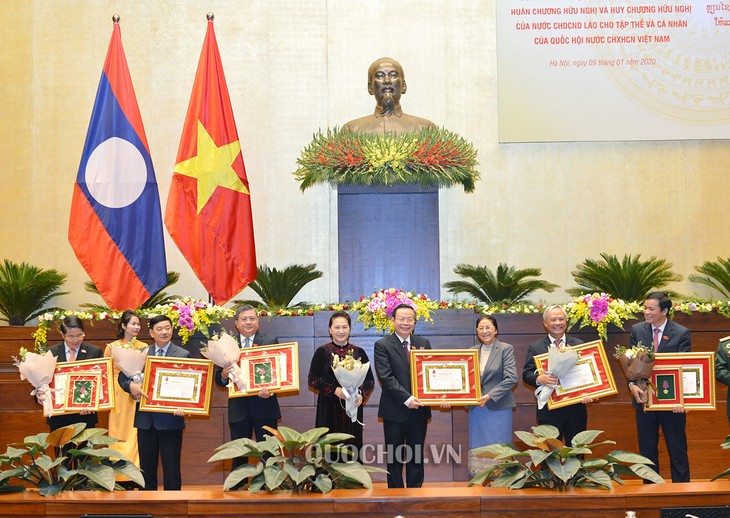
(116, 222)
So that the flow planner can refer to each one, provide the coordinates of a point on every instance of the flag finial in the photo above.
(210, 17)
(116, 18)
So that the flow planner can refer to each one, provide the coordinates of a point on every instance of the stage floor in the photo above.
(435, 499)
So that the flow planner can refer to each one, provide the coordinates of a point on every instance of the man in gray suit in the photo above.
(666, 337)
(159, 435)
(405, 419)
(569, 420)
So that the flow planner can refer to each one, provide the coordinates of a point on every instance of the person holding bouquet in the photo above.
(491, 421)
(332, 397)
(121, 417)
(666, 337)
(73, 348)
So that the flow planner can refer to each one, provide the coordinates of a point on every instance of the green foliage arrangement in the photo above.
(506, 286)
(726, 473)
(87, 462)
(295, 461)
(715, 274)
(550, 464)
(434, 157)
(158, 298)
(277, 288)
(25, 291)
(629, 278)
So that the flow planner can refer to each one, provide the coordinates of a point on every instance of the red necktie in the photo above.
(656, 338)
(405, 348)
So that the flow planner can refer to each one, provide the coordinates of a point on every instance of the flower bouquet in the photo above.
(637, 362)
(224, 351)
(130, 360)
(377, 310)
(560, 361)
(38, 369)
(350, 374)
(598, 310)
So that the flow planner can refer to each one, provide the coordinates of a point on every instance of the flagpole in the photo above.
(210, 17)
(116, 18)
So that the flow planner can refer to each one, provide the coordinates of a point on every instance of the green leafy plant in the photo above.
(86, 462)
(715, 274)
(160, 297)
(629, 279)
(550, 464)
(725, 446)
(506, 286)
(308, 461)
(25, 291)
(429, 157)
(277, 288)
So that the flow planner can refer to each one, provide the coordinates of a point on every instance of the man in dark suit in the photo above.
(569, 420)
(404, 417)
(73, 348)
(248, 415)
(722, 367)
(666, 337)
(159, 435)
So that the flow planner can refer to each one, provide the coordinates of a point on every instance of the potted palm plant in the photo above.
(25, 291)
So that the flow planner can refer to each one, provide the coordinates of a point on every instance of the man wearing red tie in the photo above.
(664, 336)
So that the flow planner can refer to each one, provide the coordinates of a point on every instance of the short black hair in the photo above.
(399, 306)
(664, 301)
(159, 318)
(71, 322)
(490, 318)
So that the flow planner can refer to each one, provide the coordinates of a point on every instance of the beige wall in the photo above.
(296, 66)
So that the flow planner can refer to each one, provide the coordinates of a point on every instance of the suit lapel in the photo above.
(399, 347)
(496, 353)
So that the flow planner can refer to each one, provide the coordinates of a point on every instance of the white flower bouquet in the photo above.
(560, 361)
(38, 369)
(350, 374)
(224, 351)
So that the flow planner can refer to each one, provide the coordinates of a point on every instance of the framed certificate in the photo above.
(287, 369)
(665, 391)
(177, 383)
(450, 375)
(262, 372)
(698, 377)
(82, 391)
(100, 366)
(590, 376)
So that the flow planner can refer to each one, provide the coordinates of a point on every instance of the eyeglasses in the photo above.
(481, 329)
(247, 319)
(405, 320)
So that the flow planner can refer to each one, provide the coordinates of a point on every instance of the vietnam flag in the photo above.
(115, 227)
(208, 210)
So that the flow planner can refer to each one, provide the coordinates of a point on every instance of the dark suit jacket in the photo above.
(499, 376)
(676, 339)
(160, 421)
(529, 376)
(240, 408)
(722, 366)
(86, 351)
(394, 374)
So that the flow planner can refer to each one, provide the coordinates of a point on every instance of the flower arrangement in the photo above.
(598, 310)
(350, 373)
(637, 363)
(429, 157)
(377, 309)
(189, 315)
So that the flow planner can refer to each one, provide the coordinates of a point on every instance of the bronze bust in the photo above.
(387, 83)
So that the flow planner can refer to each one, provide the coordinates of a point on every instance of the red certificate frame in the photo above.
(698, 377)
(82, 391)
(288, 368)
(177, 383)
(102, 366)
(446, 375)
(666, 390)
(595, 377)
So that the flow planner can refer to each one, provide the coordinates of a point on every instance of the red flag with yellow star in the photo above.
(208, 210)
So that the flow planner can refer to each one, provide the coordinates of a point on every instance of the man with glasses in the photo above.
(405, 419)
(248, 415)
(73, 348)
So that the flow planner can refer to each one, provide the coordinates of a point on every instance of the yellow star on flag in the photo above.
(212, 167)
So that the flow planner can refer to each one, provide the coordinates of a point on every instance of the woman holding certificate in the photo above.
(491, 421)
(339, 407)
(121, 417)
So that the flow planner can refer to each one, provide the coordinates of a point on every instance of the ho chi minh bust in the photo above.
(387, 83)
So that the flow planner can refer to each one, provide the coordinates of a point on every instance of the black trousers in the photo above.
(569, 420)
(247, 428)
(165, 445)
(404, 444)
(674, 429)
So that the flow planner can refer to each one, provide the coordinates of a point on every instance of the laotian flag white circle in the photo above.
(116, 173)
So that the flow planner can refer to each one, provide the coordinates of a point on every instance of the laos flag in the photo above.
(115, 227)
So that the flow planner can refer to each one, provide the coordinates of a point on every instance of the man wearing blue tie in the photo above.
(159, 435)
(664, 336)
